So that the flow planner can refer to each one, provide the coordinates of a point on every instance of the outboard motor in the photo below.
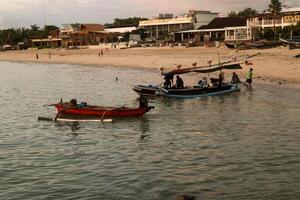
(143, 102)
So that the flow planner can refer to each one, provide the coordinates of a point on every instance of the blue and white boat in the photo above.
(191, 91)
(187, 92)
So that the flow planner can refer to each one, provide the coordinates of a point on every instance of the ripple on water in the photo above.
(239, 146)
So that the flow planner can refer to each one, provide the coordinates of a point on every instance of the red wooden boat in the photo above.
(73, 111)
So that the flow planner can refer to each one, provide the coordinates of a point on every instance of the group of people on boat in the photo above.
(169, 83)
(203, 83)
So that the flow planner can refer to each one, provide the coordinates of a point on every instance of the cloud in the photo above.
(26, 12)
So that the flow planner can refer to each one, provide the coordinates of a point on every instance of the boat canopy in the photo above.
(231, 64)
(203, 69)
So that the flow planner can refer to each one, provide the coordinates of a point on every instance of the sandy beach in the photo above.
(271, 65)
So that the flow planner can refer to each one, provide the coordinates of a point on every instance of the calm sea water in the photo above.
(244, 145)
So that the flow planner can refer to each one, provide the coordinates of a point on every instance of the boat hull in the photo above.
(190, 92)
(198, 93)
(97, 112)
(146, 90)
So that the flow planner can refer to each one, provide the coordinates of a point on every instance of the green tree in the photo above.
(34, 27)
(13, 36)
(247, 12)
(275, 8)
(232, 14)
(268, 34)
(131, 21)
(108, 25)
(49, 28)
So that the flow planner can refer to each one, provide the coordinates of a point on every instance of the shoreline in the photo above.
(271, 66)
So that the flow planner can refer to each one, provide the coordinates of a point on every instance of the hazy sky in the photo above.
(22, 13)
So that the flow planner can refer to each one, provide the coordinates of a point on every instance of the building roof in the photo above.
(222, 22)
(294, 9)
(178, 20)
(46, 40)
(285, 12)
(121, 29)
(92, 27)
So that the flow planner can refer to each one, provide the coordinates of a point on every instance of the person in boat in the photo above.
(168, 81)
(249, 77)
(235, 78)
(222, 73)
(203, 83)
(179, 82)
(214, 82)
(143, 102)
(220, 81)
(73, 103)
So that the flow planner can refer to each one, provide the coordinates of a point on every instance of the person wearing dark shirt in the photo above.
(235, 78)
(179, 83)
(143, 101)
(168, 81)
(220, 80)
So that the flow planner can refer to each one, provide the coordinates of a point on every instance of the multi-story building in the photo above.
(165, 25)
(288, 17)
(235, 29)
(219, 29)
(83, 34)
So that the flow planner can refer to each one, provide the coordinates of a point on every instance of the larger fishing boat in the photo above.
(190, 91)
(194, 91)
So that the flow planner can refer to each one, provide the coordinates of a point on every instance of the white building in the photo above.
(219, 29)
(289, 17)
(163, 28)
(121, 29)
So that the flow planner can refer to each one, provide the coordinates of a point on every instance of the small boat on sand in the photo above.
(71, 111)
(295, 41)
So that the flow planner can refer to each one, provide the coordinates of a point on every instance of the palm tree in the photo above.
(275, 8)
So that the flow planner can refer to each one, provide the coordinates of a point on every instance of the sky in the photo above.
(23, 13)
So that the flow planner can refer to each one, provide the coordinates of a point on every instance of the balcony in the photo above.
(237, 37)
(266, 22)
(271, 22)
(255, 23)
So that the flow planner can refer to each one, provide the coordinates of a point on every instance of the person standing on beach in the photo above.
(249, 77)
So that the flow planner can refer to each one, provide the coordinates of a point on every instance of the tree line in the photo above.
(131, 21)
(13, 36)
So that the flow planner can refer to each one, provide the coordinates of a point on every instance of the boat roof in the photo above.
(204, 70)
(235, 63)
